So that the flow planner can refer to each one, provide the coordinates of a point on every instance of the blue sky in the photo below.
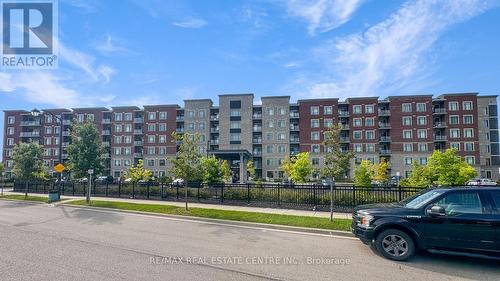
(160, 51)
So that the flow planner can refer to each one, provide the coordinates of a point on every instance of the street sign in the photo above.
(59, 168)
(90, 171)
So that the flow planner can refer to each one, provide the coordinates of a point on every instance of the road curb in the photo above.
(227, 222)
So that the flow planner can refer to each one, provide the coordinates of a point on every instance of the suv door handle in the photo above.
(484, 222)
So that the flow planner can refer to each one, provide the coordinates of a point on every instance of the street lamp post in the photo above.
(59, 121)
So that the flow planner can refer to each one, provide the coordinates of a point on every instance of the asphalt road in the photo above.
(41, 242)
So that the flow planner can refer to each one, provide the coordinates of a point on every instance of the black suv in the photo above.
(463, 221)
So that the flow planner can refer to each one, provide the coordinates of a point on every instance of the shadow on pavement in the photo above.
(89, 216)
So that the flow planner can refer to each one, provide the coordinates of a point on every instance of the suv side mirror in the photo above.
(436, 211)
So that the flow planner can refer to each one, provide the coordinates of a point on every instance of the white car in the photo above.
(178, 182)
(482, 182)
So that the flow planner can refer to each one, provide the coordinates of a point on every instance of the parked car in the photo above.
(127, 180)
(104, 179)
(178, 182)
(464, 221)
(482, 182)
(83, 180)
(327, 182)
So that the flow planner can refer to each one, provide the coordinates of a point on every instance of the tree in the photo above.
(417, 178)
(28, 161)
(137, 172)
(212, 172)
(86, 151)
(448, 168)
(298, 168)
(337, 162)
(226, 171)
(187, 163)
(381, 172)
(250, 169)
(363, 174)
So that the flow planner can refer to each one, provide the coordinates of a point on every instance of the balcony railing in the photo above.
(439, 125)
(106, 121)
(214, 118)
(179, 130)
(257, 153)
(104, 143)
(343, 113)
(138, 120)
(439, 110)
(256, 140)
(384, 125)
(385, 151)
(105, 132)
(30, 123)
(294, 152)
(214, 130)
(294, 115)
(65, 144)
(257, 129)
(385, 138)
(179, 118)
(294, 127)
(344, 139)
(30, 134)
(440, 138)
(344, 126)
(137, 155)
(138, 132)
(66, 122)
(214, 142)
(294, 140)
(138, 143)
(384, 112)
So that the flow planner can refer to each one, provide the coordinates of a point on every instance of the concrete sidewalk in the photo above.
(206, 206)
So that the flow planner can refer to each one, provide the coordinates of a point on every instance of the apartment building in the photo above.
(399, 129)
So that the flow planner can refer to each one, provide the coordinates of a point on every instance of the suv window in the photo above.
(457, 203)
(496, 199)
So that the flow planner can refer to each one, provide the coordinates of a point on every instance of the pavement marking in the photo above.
(166, 217)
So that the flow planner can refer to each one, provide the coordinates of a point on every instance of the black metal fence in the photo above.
(318, 197)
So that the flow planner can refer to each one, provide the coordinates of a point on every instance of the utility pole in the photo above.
(90, 171)
(331, 199)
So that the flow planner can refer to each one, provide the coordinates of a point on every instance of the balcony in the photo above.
(257, 116)
(138, 143)
(214, 130)
(65, 156)
(294, 127)
(106, 121)
(179, 130)
(29, 134)
(440, 138)
(383, 125)
(257, 141)
(138, 132)
(137, 155)
(344, 139)
(385, 139)
(294, 140)
(257, 153)
(214, 118)
(30, 123)
(294, 152)
(257, 129)
(344, 126)
(104, 144)
(438, 125)
(139, 120)
(385, 152)
(214, 142)
(179, 118)
(66, 122)
(343, 113)
(294, 114)
(65, 144)
(105, 132)
(106, 155)
(384, 112)
(439, 110)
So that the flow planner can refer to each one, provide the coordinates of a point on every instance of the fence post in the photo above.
(73, 188)
(353, 196)
(133, 189)
(400, 193)
(162, 190)
(222, 194)
(314, 196)
(63, 188)
(147, 189)
(120, 188)
(177, 187)
(248, 193)
(199, 193)
(106, 189)
(279, 194)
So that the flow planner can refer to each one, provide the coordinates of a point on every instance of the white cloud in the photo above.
(109, 45)
(85, 62)
(6, 84)
(390, 56)
(292, 64)
(323, 15)
(190, 23)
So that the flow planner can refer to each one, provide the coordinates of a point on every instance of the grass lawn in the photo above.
(301, 221)
(44, 199)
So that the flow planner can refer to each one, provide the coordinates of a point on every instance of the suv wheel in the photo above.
(395, 245)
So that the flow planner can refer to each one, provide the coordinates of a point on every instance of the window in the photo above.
(190, 126)
(468, 119)
(90, 117)
(151, 150)
(163, 115)
(80, 118)
(456, 203)
(370, 122)
(469, 146)
(471, 160)
(163, 139)
(235, 113)
(315, 136)
(281, 111)
(117, 151)
(468, 133)
(407, 121)
(315, 162)
(421, 107)
(151, 162)
(356, 109)
(408, 160)
(201, 113)
(128, 128)
(422, 147)
(269, 136)
(161, 162)
(270, 111)
(370, 147)
(190, 114)
(328, 123)
(118, 139)
(358, 148)
(421, 120)
(269, 149)
(118, 116)
(357, 135)
(454, 120)
(467, 105)
(151, 127)
(48, 141)
(328, 110)
(281, 136)
(315, 148)
(281, 124)
(281, 149)
(314, 123)
(235, 125)
(406, 107)
(235, 137)
(270, 123)
(10, 130)
(151, 139)
(408, 147)
(118, 128)
(152, 115)
(370, 135)
(357, 122)
(269, 162)
(162, 127)
(486, 123)
(422, 134)
(128, 116)
(455, 133)
(48, 118)
(127, 139)
(369, 108)
(407, 134)
(453, 106)
(455, 145)
(314, 110)
(201, 125)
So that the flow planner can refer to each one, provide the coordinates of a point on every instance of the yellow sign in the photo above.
(59, 168)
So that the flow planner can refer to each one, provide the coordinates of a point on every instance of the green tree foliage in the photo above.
(2, 168)
(226, 171)
(28, 161)
(85, 152)
(250, 169)
(337, 162)
(212, 172)
(381, 172)
(137, 172)
(363, 174)
(298, 168)
(443, 168)
(187, 163)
